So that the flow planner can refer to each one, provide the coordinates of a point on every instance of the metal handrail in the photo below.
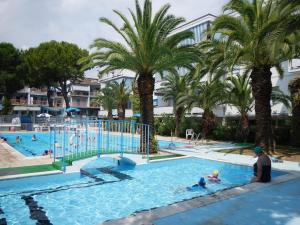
(86, 138)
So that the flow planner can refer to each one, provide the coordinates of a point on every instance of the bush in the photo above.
(224, 132)
(190, 123)
(165, 125)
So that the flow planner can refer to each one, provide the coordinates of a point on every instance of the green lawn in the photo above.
(27, 169)
(68, 161)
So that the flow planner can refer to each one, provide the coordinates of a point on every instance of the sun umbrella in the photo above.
(72, 109)
(137, 115)
(44, 115)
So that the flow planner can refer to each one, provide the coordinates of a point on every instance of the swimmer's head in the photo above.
(216, 173)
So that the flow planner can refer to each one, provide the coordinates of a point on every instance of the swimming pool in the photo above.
(36, 148)
(75, 199)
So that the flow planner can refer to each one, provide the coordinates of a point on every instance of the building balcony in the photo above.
(40, 102)
(80, 93)
(94, 105)
(93, 93)
(38, 91)
(19, 101)
(79, 105)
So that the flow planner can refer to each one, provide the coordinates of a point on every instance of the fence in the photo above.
(77, 140)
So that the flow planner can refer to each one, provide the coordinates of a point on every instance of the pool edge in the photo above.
(19, 176)
(146, 217)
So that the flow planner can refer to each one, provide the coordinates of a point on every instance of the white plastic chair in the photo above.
(189, 133)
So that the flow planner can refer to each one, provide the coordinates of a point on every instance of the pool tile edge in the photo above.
(146, 217)
(17, 176)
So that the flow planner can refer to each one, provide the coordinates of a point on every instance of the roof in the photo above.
(202, 19)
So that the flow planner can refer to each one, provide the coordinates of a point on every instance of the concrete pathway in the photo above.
(9, 157)
(276, 204)
(212, 154)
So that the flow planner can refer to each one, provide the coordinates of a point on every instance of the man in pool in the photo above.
(18, 139)
(262, 168)
(201, 183)
(34, 138)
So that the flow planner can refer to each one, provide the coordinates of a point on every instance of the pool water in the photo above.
(66, 199)
(36, 148)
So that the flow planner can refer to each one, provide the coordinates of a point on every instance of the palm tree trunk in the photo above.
(109, 114)
(121, 112)
(7, 107)
(243, 131)
(145, 89)
(49, 95)
(208, 123)
(294, 87)
(178, 117)
(262, 89)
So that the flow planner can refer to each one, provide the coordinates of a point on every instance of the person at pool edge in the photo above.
(18, 139)
(34, 138)
(262, 167)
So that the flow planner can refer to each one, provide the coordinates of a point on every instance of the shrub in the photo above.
(224, 132)
(165, 125)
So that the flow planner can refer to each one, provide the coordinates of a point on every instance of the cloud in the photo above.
(30, 22)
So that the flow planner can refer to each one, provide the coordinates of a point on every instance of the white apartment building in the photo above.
(198, 27)
(33, 101)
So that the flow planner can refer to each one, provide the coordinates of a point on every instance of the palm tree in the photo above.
(173, 87)
(294, 87)
(260, 38)
(238, 92)
(107, 99)
(151, 47)
(205, 95)
(122, 94)
(278, 96)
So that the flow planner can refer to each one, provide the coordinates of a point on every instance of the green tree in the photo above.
(11, 80)
(261, 36)
(238, 94)
(294, 87)
(173, 87)
(151, 47)
(135, 99)
(106, 98)
(40, 66)
(278, 96)
(122, 94)
(54, 64)
(205, 95)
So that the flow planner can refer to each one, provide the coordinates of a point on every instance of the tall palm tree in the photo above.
(260, 38)
(122, 94)
(238, 92)
(107, 99)
(278, 96)
(205, 95)
(151, 46)
(294, 87)
(173, 87)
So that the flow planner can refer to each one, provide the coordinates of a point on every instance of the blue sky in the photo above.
(26, 23)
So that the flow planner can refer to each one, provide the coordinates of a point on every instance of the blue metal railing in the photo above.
(75, 140)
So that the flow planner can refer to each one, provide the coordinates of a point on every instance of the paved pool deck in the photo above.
(276, 204)
(9, 157)
(204, 152)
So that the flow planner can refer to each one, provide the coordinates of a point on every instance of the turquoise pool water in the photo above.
(35, 148)
(68, 199)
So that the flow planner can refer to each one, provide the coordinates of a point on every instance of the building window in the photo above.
(294, 65)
